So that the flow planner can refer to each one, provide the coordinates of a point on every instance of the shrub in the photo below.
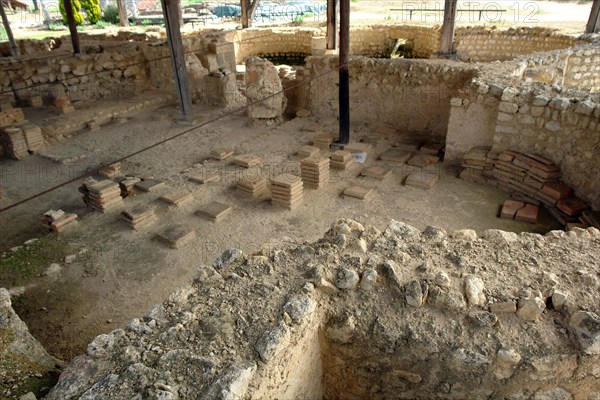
(92, 9)
(76, 11)
(111, 14)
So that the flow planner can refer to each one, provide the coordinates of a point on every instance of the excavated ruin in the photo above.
(360, 313)
(367, 314)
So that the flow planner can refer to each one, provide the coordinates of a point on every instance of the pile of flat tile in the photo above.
(341, 159)
(423, 160)
(63, 104)
(286, 191)
(221, 153)
(323, 141)
(138, 217)
(529, 178)
(376, 172)
(33, 136)
(307, 151)
(513, 209)
(358, 147)
(14, 143)
(315, 171)
(177, 197)
(433, 148)
(359, 192)
(422, 179)
(247, 160)
(58, 221)
(590, 218)
(254, 187)
(111, 171)
(149, 185)
(395, 155)
(215, 211)
(127, 185)
(203, 177)
(176, 236)
(103, 196)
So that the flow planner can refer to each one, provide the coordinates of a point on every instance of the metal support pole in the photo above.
(72, 26)
(593, 25)
(447, 41)
(331, 25)
(344, 86)
(182, 84)
(14, 49)
(244, 6)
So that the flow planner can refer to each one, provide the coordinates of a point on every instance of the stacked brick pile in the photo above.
(103, 196)
(58, 221)
(14, 143)
(529, 178)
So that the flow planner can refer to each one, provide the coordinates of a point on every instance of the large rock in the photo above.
(586, 328)
(263, 82)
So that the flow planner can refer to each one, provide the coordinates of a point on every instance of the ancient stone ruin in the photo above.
(196, 258)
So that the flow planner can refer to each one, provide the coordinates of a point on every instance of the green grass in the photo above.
(18, 266)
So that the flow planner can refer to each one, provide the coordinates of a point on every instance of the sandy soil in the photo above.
(119, 273)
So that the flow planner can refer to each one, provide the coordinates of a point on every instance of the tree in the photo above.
(76, 12)
(92, 9)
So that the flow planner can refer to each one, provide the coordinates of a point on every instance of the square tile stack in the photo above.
(111, 171)
(341, 159)
(475, 162)
(221, 153)
(423, 180)
(177, 197)
(308, 151)
(215, 211)
(14, 143)
(376, 172)
(176, 236)
(247, 160)
(512, 209)
(103, 196)
(395, 155)
(255, 187)
(286, 191)
(35, 100)
(323, 141)
(423, 160)
(63, 104)
(315, 171)
(357, 147)
(138, 217)
(433, 148)
(359, 192)
(33, 136)
(58, 221)
(149, 185)
(127, 185)
(203, 177)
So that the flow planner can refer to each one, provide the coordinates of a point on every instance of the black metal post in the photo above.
(72, 26)
(344, 86)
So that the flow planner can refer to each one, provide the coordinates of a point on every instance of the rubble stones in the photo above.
(298, 307)
(416, 293)
(530, 309)
(271, 342)
(506, 362)
(585, 326)
(346, 278)
(474, 290)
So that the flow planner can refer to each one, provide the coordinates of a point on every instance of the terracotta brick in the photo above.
(529, 213)
(557, 190)
(572, 206)
(510, 208)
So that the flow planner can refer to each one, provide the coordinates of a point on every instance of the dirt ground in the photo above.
(117, 273)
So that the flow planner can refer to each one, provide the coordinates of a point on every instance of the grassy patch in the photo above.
(18, 266)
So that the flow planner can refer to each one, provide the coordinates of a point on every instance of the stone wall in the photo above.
(113, 69)
(560, 126)
(271, 42)
(411, 95)
(488, 44)
(583, 68)
(378, 40)
(364, 313)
